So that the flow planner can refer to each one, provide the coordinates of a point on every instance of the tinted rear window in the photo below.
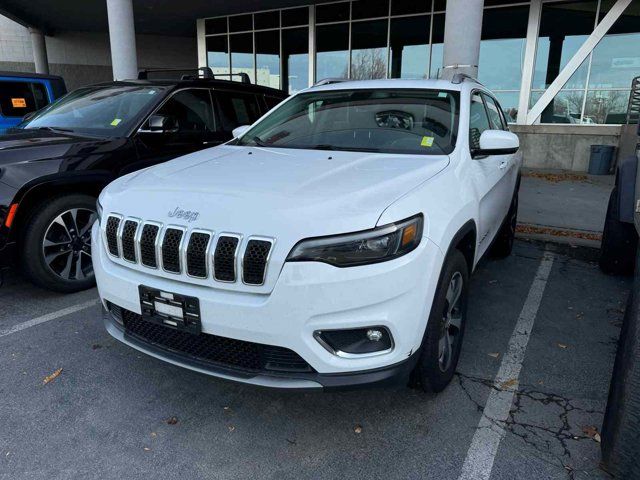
(19, 98)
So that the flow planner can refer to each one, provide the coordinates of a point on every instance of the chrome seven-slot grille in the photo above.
(199, 253)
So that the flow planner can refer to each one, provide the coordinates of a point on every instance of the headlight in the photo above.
(99, 210)
(361, 248)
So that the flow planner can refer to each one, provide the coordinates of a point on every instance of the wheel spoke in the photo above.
(60, 221)
(79, 274)
(87, 228)
(454, 290)
(66, 271)
(50, 243)
(51, 257)
(456, 321)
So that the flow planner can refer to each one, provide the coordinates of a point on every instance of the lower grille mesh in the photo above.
(212, 349)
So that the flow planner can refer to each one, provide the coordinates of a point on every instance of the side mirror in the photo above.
(160, 124)
(497, 142)
(239, 131)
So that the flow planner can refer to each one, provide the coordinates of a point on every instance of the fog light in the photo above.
(357, 341)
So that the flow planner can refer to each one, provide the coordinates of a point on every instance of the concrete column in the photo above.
(462, 30)
(39, 47)
(122, 37)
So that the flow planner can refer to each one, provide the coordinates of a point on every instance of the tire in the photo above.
(621, 427)
(438, 357)
(503, 244)
(619, 241)
(64, 222)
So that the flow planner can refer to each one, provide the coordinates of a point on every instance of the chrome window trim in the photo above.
(272, 241)
(207, 251)
(135, 235)
(180, 247)
(155, 246)
(235, 256)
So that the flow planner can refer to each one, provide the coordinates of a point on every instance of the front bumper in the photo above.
(308, 296)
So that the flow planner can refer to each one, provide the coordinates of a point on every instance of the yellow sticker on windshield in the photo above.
(115, 122)
(19, 103)
(426, 142)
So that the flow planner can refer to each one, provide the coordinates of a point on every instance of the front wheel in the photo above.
(56, 244)
(445, 327)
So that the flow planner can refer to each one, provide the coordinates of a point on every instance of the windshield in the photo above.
(389, 121)
(103, 111)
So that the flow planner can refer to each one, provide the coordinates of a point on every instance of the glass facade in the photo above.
(363, 39)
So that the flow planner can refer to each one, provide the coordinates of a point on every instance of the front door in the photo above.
(192, 127)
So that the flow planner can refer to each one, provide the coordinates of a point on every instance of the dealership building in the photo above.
(562, 69)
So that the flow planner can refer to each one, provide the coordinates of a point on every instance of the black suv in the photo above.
(54, 165)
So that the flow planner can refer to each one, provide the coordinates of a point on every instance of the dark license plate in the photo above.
(172, 310)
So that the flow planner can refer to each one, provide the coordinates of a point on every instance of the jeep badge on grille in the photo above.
(188, 215)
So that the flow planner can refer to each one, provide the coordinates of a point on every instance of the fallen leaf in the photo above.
(51, 377)
(358, 429)
(509, 383)
(154, 434)
(172, 420)
(231, 428)
(562, 345)
(494, 355)
(147, 449)
(592, 432)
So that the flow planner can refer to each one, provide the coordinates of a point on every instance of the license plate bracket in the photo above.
(171, 310)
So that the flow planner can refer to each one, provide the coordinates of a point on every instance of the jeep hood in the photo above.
(283, 194)
(264, 191)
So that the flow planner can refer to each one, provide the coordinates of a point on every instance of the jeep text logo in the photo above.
(188, 215)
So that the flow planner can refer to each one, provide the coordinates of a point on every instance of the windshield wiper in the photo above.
(260, 142)
(51, 129)
(323, 146)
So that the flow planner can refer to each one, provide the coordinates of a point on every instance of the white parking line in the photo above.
(485, 443)
(48, 317)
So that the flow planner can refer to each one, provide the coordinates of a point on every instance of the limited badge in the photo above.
(19, 103)
(426, 142)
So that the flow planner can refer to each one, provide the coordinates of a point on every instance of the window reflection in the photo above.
(409, 44)
(295, 53)
(369, 50)
(332, 47)
(242, 54)
(565, 108)
(604, 106)
(268, 58)
(218, 54)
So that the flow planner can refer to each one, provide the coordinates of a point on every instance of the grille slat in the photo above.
(171, 250)
(254, 264)
(113, 224)
(128, 240)
(212, 349)
(148, 239)
(179, 251)
(197, 254)
(224, 259)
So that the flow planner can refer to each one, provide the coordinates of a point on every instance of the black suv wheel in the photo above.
(56, 243)
(445, 328)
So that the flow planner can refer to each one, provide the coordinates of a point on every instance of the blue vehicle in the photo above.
(25, 93)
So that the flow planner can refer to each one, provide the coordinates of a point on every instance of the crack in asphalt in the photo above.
(551, 443)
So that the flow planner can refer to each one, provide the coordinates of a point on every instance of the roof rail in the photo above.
(329, 81)
(244, 77)
(461, 77)
(202, 72)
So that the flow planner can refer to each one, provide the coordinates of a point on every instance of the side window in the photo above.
(19, 98)
(497, 122)
(478, 121)
(191, 109)
(237, 109)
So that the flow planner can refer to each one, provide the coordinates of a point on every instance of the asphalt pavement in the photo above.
(527, 400)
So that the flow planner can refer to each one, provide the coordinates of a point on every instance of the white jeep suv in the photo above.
(328, 245)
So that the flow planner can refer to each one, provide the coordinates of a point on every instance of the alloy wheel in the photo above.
(66, 246)
(451, 323)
